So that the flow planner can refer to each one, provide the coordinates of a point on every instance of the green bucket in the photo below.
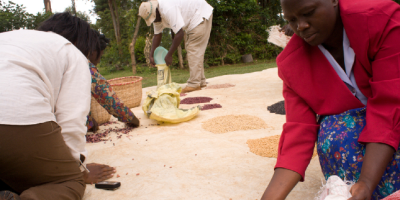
(159, 55)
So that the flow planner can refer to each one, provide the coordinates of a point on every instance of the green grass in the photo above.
(180, 76)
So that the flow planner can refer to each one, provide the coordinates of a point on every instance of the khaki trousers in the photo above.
(36, 163)
(196, 44)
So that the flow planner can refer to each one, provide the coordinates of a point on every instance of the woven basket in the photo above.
(128, 89)
(98, 112)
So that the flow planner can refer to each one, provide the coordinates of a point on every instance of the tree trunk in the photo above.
(179, 51)
(73, 7)
(132, 45)
(47, 5)
(115, 20)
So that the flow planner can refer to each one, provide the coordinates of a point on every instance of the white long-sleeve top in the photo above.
(43, 77)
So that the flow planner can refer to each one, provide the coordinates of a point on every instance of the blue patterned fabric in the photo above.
(340, 154)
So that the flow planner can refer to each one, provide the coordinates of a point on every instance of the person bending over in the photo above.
(193, 17)
(341, 80)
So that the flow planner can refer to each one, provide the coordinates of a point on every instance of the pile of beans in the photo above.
(211, 106)
(195, 100)
(267, 147)
(219, 86)
(278, 108)
(228, 123)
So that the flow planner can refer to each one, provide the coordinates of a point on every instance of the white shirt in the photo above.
(348, 75)
(43, 77)
(181, 14)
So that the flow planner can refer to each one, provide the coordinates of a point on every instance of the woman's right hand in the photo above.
(281, 184)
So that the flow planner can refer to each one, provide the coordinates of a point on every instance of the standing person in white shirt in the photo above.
(44, 101)
(190, 17)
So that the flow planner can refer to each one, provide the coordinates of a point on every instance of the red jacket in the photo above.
(311, 86)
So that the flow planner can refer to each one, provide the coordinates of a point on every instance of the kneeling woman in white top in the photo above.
(44, 101)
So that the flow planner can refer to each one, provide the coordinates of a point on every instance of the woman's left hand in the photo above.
(360, 191)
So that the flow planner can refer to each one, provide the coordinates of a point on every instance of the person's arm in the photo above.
(156, 42)
(281, 184)
(108, 99)
(377, 157)
(382, 131)
(175, 19)
(73, 102)
(296, 145)
(175, 44)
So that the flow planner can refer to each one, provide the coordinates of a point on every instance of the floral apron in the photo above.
(340, 153)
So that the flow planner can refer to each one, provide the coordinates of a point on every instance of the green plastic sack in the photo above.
(163, 105)
(163, 75)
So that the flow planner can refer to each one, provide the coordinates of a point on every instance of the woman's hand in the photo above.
(360, 191)
(98, 173)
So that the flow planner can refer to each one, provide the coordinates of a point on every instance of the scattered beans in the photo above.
(278, 108)
(267, 147)
(183, 94)
(118, 176)
(228, 123)
(108, 123)
(98, 137)
(219, 86)
(127, 173)
(137, 174)
(195, 100)
(211, 106)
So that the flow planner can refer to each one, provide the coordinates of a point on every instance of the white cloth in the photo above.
(348, 75)
(43, 77)
(181, 14)
(335, 189)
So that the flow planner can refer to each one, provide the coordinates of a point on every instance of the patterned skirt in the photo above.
(340, 154)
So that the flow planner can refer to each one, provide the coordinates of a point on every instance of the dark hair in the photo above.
(103, 42)
(74, 29)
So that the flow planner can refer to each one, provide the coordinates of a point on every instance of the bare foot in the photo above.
(98, 173)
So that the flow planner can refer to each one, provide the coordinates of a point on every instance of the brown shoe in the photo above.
(7, 195)
(202, 86)
(190, 89)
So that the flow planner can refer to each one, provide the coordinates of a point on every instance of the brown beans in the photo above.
(267, 147)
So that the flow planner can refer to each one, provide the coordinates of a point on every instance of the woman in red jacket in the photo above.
(341, 75)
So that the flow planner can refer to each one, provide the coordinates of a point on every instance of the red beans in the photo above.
(211, 106)
(195, 100)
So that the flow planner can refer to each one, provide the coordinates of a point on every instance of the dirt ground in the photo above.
(184, 161)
